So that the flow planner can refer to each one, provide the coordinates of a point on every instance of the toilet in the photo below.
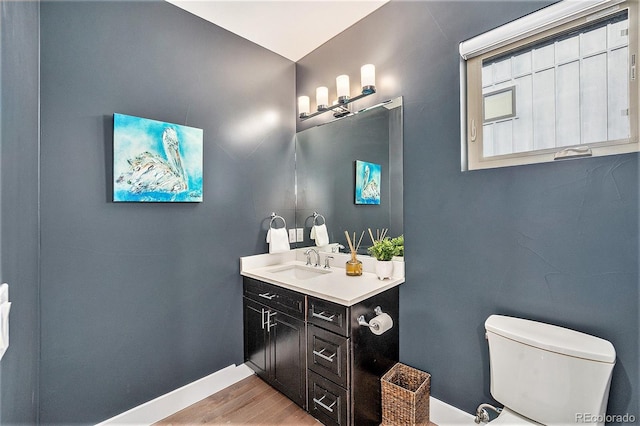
(545, 374)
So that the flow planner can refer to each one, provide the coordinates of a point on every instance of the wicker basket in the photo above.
(405, 396)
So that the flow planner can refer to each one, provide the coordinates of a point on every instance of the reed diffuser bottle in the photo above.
(353, 266)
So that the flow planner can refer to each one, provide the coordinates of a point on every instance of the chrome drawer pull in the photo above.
(269, 325)
(267, 295)
(266, 321)
(329, 408)
(322, 316)
(323, 356)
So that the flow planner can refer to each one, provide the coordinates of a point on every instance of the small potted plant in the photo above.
(399, 243)
(383, 250)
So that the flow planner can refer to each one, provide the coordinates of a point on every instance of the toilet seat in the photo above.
(508, 417)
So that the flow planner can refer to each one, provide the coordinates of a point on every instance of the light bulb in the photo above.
(342, 85)
(368, 78)
(303, 106)
(322, 98)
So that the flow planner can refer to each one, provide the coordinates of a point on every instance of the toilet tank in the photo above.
(547, 373)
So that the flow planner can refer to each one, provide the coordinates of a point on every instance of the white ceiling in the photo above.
(291, 28)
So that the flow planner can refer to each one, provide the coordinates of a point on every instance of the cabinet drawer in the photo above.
(282, 299)
(328, 402)
(328, 315)
(328, 355)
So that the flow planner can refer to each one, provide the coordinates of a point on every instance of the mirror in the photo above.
(326, 173)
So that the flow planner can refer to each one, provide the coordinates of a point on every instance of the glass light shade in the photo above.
(303, 105)
(322, 97)
(342, 85)
(368, 76)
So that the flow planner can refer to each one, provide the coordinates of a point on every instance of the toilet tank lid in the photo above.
(552, 338)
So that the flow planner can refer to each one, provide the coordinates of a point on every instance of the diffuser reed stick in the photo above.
(380, 234)
(359, 241)
(349, 241)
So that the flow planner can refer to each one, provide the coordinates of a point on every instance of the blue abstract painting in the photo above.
(368, 182)
(154, 161)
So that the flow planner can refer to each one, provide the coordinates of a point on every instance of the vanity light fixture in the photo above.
(367, 81)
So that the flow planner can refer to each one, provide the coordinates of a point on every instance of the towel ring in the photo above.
(274, 217)
(316, 215)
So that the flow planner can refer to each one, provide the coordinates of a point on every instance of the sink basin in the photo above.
(299, 272)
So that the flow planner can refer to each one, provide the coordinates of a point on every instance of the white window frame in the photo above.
(543, 24)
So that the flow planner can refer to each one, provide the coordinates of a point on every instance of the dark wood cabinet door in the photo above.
(288, 363)
(328, 402)
(256, 341)
(328, 355)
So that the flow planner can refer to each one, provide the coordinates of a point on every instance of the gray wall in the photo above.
(139, 299)
(19, 23)
(551, 242)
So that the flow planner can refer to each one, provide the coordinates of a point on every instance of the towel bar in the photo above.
(274, 217)
(316, 215)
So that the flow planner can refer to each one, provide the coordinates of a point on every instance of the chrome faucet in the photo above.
(308, 254)
(326, 262)
(337, 248)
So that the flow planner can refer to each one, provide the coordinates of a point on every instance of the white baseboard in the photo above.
(157, 409)
(174, 401)
(444, 414)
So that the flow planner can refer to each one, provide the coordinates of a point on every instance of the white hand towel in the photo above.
(4, 327)
(4, 293)
(278, 240)
(320, 234)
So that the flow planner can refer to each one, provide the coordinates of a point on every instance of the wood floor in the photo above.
(248, 402)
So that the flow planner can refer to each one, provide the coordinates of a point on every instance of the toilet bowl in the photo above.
(545, 374)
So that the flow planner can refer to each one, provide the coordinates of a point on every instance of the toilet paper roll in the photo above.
(381, 324)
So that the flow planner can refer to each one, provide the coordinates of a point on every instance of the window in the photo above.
(565, 88)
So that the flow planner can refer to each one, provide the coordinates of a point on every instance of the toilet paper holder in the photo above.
(363, 322)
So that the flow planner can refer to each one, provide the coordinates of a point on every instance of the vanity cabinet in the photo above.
(275, 337)
(315, 351)
(346, 360)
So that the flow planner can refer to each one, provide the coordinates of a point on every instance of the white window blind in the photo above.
(532, 24)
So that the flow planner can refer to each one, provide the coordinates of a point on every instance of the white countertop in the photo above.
(331, 284)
